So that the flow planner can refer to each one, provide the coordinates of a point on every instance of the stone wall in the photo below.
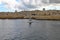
(49, 14)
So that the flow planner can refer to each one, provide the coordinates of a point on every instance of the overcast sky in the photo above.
(11, 5)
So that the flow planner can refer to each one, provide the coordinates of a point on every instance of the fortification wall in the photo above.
(50, 14)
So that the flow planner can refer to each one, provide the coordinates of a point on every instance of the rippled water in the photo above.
(20, 29)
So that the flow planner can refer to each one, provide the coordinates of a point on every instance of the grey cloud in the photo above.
(44, 1)
(29, 6)
(54, 1)
(51, 1)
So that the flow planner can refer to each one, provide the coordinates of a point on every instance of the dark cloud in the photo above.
(51, 1)
(44, 1)
(54, 1)
(28, 6)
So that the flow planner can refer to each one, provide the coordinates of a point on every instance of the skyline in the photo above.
(19, 5)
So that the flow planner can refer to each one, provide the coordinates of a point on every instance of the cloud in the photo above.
(27, 4)
(54, 1)
(21, 4)
(9, 3)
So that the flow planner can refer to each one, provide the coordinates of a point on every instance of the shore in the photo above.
(38, 15)
(33, 17)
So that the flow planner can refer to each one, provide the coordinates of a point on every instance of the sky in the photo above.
(21, 5)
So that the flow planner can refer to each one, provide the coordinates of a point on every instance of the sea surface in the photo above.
(20, 29)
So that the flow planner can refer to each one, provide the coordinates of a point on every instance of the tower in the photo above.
(15, 10)
(43, 9)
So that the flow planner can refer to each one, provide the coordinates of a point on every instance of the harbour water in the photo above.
(20, 29)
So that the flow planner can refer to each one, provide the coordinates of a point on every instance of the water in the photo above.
(20, 29)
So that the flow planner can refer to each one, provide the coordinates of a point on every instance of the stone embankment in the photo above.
(50, 14)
